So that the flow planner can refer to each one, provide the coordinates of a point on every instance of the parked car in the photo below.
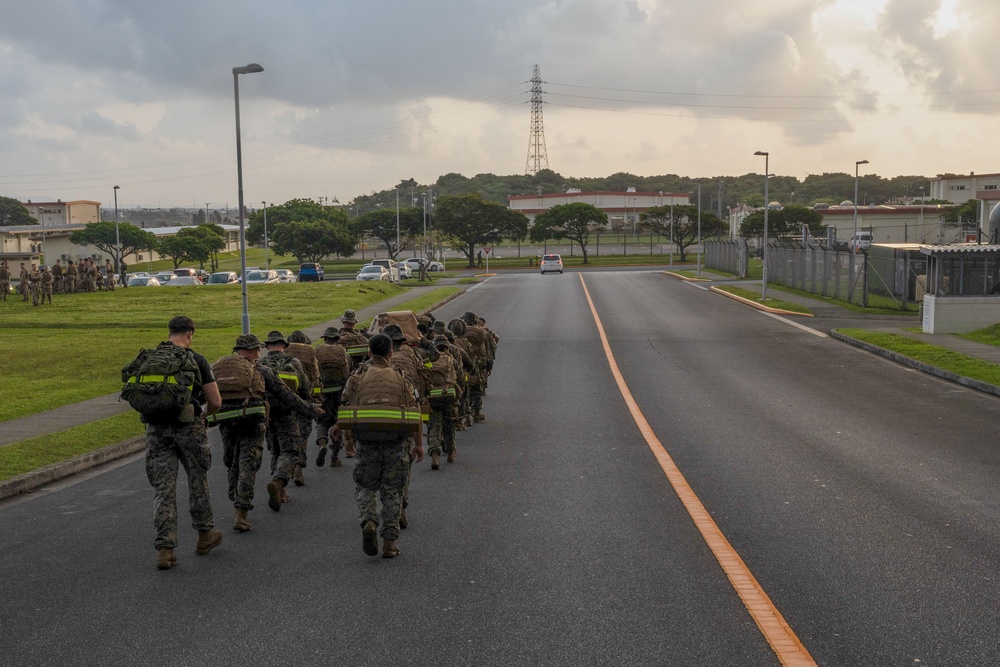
(373, 272)
(137, 274)
(862, 241)
(390, 265)
(310, 271)
(223, 278)
(404, 270)
(286, 276)
(165, 277)
(184, 281)
(143, 281)
(551, 263)
(262, 277)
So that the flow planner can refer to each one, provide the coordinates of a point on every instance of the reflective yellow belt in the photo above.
(440, 393)
(290, 378)
(401, 419)
(235, 414)
(328, 390)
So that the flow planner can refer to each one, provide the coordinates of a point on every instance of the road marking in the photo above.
(814, 332)
(776, 631)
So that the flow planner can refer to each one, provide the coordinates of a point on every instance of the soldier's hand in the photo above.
(319, 411)
(350, 448)
(417, 452)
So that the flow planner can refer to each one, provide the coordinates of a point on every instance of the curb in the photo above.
(30, 481)
(686, 279)
(978, 385)
(754, 304)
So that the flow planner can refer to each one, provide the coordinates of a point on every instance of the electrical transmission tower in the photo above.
(538, 159)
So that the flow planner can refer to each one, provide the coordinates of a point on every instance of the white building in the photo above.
(960, 189)
(623, 208)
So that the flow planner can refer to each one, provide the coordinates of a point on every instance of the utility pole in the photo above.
(538, 158)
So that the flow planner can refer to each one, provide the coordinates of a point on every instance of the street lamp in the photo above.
(699, 230)
(266, 265)
(252, 68)
(763, 280)
(397, 220)
(118, 240)
(857, 165)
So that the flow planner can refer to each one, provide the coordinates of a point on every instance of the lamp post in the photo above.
(397, 221)
(252, 68)
(699, 230)
(266, 265)
(672, 244)
(857, 165)
(763, 280)
(118, 240)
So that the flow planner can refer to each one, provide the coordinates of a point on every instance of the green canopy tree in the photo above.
(12, 212)
(208, 241)
(101, 235)
(381, 224)
(181, 248)
(574, 221)
(473, 222)
(782, 222)
(684, 231)
(314, 240)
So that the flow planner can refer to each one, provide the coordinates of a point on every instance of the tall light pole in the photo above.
(767, 174)
(266, 265)
(699, 229)
(397, 220)
(673, 245)
(425, 226)
(252, 68)
(857, 165)
(118, 240)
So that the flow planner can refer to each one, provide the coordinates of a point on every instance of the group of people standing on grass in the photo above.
(39, 283)
(369, 395)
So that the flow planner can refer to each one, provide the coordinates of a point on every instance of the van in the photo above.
(862, 241)
(390, 265)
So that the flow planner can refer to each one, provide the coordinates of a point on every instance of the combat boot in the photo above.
(435, 461)
(297, 476)
(389, 549)
(369, 540)
(240, 524)
(335, 462)
(207, 540)
(321, 457)
(275, 489)
(451, 454)
(468, 419)
(479, 416)
(165, 559)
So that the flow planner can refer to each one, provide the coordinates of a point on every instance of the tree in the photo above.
(208, 240)
(963, 213)
(381, 224)
(782, 222)
(473, 222)
(313, 240)
(12, 212)
(101, 235)
(574, 221)
(684, 230)
(180, 248)
(303, 210)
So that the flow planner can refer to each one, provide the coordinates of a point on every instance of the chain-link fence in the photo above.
(729, 256)
(835, 272)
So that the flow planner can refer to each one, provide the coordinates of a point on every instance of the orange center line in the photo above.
(776, 631)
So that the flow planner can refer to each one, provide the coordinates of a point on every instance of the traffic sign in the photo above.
(487, 250)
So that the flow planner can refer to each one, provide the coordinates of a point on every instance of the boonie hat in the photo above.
(349, 316)
(275, 337)
(441, 342)
(470, 317)
(331, 333)
(247, 342)
(298, 336)
(438, 326)
(394, 332)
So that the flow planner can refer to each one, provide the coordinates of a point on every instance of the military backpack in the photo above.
(284, 366)
(159, 383)
(334, 367)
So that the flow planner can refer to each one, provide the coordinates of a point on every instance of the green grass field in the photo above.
(769, 302)
(74, 349)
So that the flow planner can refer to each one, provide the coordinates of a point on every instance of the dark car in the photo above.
(310, 271)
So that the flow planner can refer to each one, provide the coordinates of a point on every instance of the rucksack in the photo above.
(283, 365)
(159, 383)
(443, 380)
(238, 380)
(375, 412)
(334, 367)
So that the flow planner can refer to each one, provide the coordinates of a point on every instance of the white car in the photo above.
(390, 266)
(165, 277)
(184, 281)
(415, 262)
(223, 278)
(286, 276)
(262, 277)
(143, 281)
(551, 263)
(404, 270)
(373, 272)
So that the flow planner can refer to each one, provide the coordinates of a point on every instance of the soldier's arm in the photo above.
(278, 392)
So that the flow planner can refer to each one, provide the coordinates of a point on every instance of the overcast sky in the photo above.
(356, 96)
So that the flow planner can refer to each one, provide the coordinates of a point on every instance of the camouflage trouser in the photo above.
(70, 285)
(441, 429)
(475, 398)
(4, 289)
(382, 468)
(330, 405)
(283, 441)
(36, 292)
(305, 430)
(166, 444)
(242, 447)
(47, 293)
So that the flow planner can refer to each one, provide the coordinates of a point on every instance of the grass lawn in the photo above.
(878, 305)
(74, 349)
(27, 455)
(990, 335)
(769, 302)
(948, 360)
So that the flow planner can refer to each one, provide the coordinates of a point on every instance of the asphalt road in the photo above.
(861, 495)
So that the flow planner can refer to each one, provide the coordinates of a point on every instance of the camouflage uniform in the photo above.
(283, 425)
(166, 445)
(4, 281)
(330, 402)
(35, 285)
(22, 286)
(72, 275)
(57, 277)
(353, 341)
(381, 468)
(46, 285)
(299, 347)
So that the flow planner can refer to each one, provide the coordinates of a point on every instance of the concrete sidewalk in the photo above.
(85, 412)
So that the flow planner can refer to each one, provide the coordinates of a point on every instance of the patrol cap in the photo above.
(275, 337)
(247, 342)
(349, 316)
(331, 333)
(394, 332)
